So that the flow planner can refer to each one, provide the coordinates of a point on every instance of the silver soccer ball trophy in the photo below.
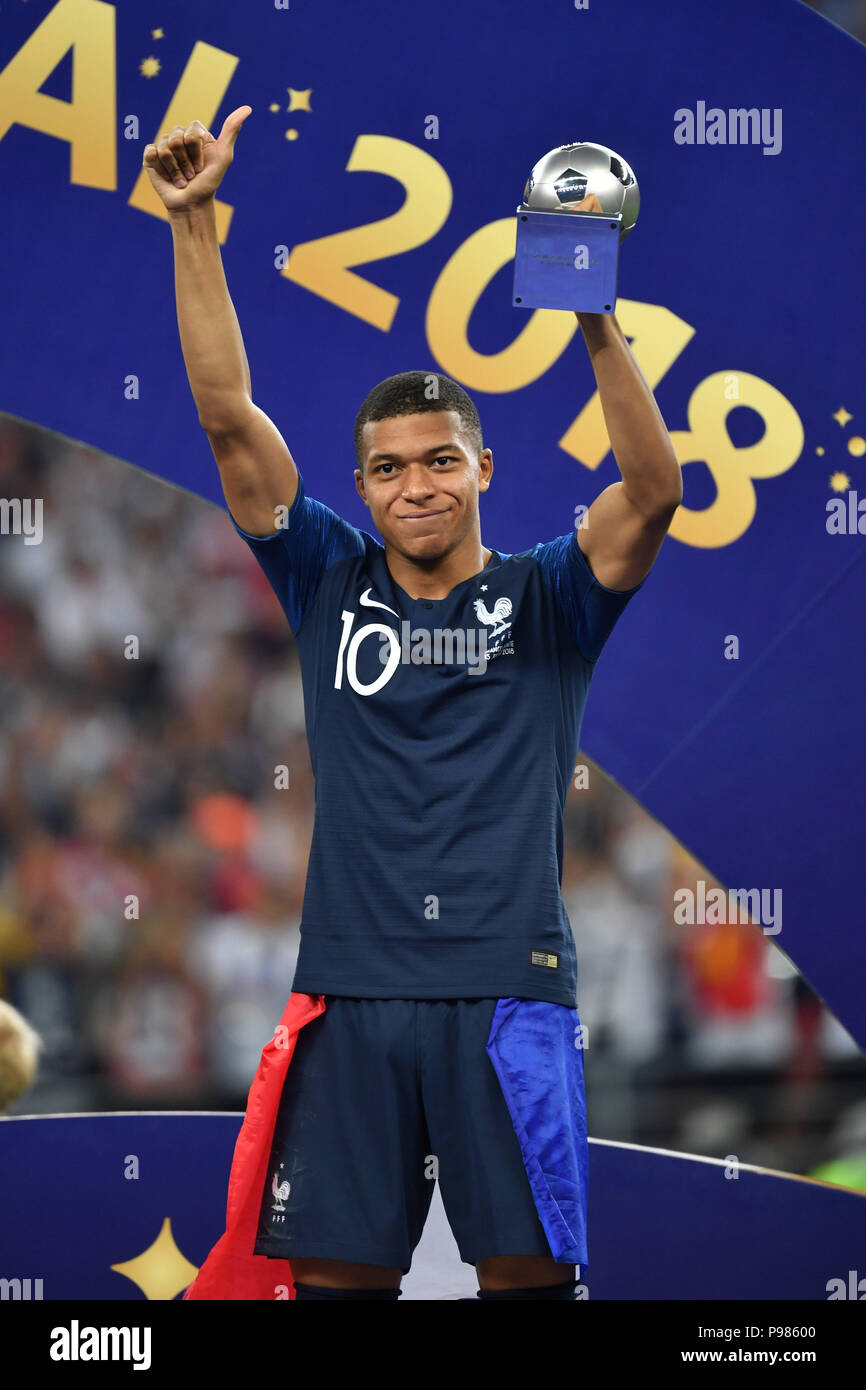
(571, 172)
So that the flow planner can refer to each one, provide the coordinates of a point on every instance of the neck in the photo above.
(436, 578)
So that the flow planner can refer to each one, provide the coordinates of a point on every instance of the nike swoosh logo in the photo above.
(374, 603)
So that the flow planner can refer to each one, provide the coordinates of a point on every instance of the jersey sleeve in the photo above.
(295, 557)
(588, 610)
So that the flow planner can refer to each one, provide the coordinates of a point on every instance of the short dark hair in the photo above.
(411, 393)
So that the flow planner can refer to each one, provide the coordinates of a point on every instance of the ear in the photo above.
(485, 469)
(359, 484)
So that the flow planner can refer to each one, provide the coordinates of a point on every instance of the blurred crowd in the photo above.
(151, 872)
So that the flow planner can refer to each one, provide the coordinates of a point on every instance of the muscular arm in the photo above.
(210, 335)
(626, 524)
(257, 471)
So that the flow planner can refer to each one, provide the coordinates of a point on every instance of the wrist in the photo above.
(191, 213)
(598, 329)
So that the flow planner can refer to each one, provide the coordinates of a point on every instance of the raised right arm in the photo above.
(257, 471)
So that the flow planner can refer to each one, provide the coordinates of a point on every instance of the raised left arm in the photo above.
(622, 532)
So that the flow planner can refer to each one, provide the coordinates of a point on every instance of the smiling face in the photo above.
(421, 481)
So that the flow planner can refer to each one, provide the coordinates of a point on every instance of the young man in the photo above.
(444, 688)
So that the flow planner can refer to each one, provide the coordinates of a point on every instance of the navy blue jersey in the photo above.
(443, 734)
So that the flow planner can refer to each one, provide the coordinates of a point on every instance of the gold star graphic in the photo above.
(156, 34)
(857, 446)
(291, 133)
(820, 449)
(840, 482)
(149, 67)
(299, 100)
(160, 1271)
(842, 416)
(274, 106)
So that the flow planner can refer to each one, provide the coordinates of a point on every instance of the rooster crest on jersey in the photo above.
(499, 622)
(281, 1192)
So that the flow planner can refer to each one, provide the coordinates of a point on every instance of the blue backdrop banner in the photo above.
(149, 1194)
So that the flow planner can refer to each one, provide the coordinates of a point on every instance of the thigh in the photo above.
(341, 1274)
(345, 1181)
(482, 1177)
(523, 1272)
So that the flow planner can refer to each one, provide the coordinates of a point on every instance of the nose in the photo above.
(416, 482)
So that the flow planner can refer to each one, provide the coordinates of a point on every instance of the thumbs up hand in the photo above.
(186, 166)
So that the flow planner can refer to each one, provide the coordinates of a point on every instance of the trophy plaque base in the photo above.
(566, 260)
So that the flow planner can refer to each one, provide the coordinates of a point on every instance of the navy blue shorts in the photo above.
(382, 1097)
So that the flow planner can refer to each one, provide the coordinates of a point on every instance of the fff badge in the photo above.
(566, 259)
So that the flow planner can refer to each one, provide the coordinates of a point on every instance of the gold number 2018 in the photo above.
(657, 337)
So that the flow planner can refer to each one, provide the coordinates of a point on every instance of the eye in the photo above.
(445, 458)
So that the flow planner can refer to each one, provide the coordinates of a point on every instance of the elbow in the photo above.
(666, 499)
(658, 506)
(654, 486)
(662, 512)
(226, 417)
(669, 502)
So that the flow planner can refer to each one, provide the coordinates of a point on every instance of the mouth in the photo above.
(420, 516)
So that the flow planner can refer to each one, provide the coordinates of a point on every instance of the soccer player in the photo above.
(444, 686)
